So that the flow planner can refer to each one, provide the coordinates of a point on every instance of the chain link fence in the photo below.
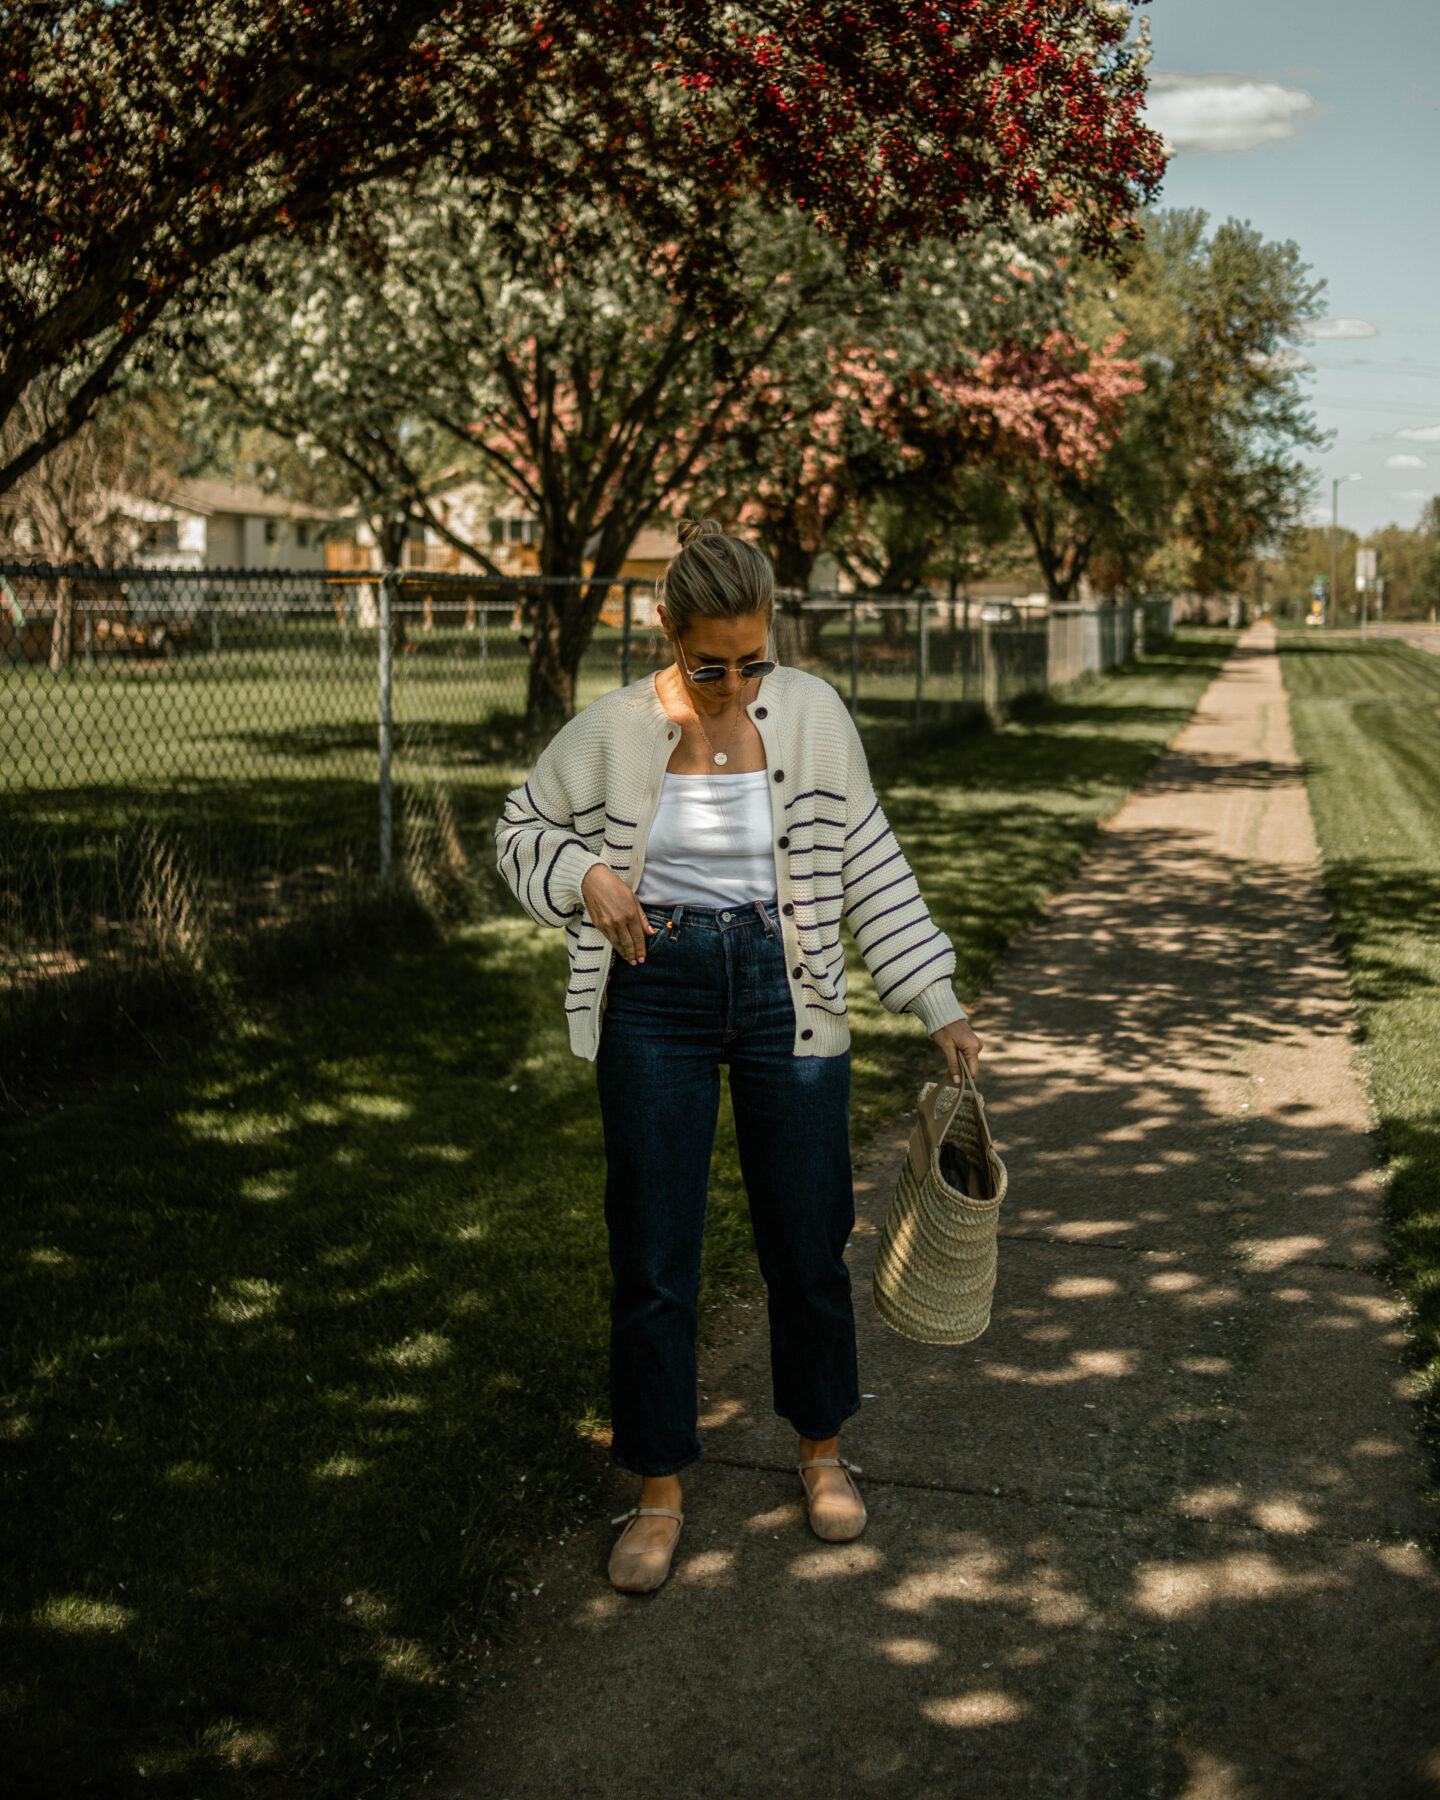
(185, 752)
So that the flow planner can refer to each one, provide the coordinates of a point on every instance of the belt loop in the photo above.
(672, 924)
(768, 921)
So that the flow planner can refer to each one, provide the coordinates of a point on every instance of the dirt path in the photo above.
(1154, 1534)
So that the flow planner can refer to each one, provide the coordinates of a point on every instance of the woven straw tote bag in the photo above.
(935, 1271)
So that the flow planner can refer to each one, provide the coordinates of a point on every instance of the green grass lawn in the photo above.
(306, 1312)
(1367, 723)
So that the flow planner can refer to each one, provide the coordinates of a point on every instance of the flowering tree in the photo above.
(906, 448)
(571, 370)
(574, 370)
(1046, 415)
(143, 145)
(803, 491)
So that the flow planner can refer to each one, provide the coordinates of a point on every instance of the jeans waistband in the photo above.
(716, 918)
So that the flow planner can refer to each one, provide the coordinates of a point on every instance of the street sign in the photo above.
(1364, 570)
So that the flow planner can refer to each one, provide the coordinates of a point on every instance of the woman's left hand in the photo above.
(959, 1040)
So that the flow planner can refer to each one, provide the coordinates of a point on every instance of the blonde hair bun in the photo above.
(689, 529)
(715, 576)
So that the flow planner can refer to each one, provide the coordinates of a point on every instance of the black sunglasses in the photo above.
(751, 671)
(717, 671)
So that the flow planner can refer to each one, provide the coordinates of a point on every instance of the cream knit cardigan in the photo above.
(591, 798)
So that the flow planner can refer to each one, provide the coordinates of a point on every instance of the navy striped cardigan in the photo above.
(591, 798)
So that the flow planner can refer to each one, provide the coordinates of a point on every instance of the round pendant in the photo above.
(721, 757)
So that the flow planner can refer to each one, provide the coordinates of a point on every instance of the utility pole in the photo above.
(1335, 538)
(1334, 545)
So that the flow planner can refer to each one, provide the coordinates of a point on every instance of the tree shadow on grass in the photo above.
(312, 1312)
(1383, 909)
(237, 838)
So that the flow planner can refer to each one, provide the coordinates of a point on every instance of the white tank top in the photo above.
(711, 842)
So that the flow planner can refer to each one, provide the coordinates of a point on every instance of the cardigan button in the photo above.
(787, 909)
(785, 843)
(762, 712)
(807, 1033)
(779, 774)
(797, 973)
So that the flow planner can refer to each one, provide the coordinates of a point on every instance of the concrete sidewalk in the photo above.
(1154, 1534)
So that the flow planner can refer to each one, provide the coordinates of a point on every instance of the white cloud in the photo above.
(1410, 493)
(1331, 329)
(1223, 112)
(1419, 434)
(1404, 460)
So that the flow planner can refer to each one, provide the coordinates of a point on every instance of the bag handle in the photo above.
(930, 1129)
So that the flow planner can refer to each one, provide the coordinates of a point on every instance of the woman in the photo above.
(700, 835)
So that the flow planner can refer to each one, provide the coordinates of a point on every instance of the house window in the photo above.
(302, 534)
(272, 531)
(497, 531)
(160, 534)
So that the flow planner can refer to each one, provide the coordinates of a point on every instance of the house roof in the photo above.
(208, 497)
(654, 543)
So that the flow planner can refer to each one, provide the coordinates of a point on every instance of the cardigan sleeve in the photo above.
(911, 961)
(547, 839)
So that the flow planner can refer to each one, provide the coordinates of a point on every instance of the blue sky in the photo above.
(1320, 123)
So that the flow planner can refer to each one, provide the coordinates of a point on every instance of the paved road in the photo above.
(1154, 1537)
(1421, 634)
(1423, 637)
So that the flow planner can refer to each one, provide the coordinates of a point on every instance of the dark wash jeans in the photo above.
(714, 988)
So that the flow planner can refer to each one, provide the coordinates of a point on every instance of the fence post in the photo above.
(215, 632)
(921, 647)
(854, 657)
(990, 671)
(387, 589)
(626, 611)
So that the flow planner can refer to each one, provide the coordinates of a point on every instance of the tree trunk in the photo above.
(798, 629)
(893, 620)
(792, 560)
(1062, 569)
(550, 700)
(560, 619)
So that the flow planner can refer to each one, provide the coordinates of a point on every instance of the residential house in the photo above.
(207, 524)
(507, 532)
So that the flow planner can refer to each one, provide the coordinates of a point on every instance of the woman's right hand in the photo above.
(616, 912)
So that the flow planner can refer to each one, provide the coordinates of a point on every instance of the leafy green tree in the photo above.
(1207, 463)
(1426, 592)
(1427, 584)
